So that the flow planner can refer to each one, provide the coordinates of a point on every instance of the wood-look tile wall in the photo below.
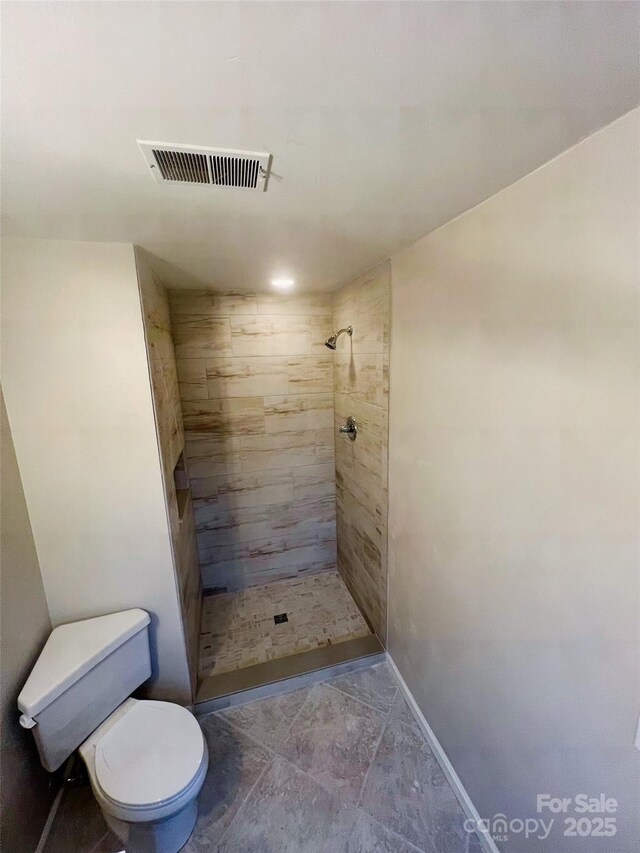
(361, 385)
(256, 384)
(168, 414)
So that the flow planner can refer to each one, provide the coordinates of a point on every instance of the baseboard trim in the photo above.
(488, 844)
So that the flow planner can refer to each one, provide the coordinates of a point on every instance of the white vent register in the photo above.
(170, 163)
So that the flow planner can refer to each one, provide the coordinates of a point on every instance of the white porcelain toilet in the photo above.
(146, 760)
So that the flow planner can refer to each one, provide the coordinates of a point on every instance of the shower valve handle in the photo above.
(350, 428)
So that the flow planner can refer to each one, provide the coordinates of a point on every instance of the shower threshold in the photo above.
(276, 637)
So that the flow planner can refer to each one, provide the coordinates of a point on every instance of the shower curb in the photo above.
(286, 674)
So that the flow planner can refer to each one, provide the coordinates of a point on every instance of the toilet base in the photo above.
(160, 836)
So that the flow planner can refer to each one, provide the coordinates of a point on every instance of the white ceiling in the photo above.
(385, 120)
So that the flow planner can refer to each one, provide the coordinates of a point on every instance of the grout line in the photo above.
(397, 834)
(46, 830)
(373, 758)
(388, 718)
(242, 731)
(332, 791)
(318, 594)
(268, 764)
(335, 792)
(361, 701)
(297, 714)
(238, 728)
(107, 833)
(459, 791)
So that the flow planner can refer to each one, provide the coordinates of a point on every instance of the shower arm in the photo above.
(348, 330)
(332, 340)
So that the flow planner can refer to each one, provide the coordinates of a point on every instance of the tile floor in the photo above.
(238, 629)
(340, 767)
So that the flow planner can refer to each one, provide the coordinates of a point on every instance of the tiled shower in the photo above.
(256, 385)
(287, 515)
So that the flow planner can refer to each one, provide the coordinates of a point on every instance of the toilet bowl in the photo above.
(146, 760)
(147, 763)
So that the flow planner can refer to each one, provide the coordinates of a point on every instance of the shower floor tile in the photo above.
(239, 629)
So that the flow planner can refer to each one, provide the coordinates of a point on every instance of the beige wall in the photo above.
(24, 626)
(361, 386)
(168, 414)
(257, 398)
(78, 396)
(514, 425)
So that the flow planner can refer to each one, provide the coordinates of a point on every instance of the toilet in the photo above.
(146, 760)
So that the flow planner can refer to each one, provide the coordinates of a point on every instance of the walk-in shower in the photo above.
(262, 428)
(332, 341)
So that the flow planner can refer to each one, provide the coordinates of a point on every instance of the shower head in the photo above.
(331, 342)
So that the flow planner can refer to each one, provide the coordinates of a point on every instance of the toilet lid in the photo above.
(150, 755)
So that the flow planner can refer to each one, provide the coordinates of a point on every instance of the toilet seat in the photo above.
(150, 758)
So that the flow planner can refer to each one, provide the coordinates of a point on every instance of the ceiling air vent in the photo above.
(192, 164)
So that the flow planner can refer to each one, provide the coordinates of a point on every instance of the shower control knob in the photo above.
(350, 428)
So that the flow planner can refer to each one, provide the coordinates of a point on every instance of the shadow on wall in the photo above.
(361, 391)
(25, 794)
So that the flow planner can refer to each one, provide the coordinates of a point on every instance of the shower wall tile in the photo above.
(362, 376)
(306, 304)
(361, 389)
(201, 336)
(209, 455)
(212, 303)
(321, 328)
(277, 450)
(234, 571)
(370, 448)
(203, 488)
(244, 552)
(256, 384)
(218, 525)
(287, 413)
(314, 481)
(264, 488)
(364, 303)
(269, 336)
(325, 445)
(165, 376)
(192, 377)
(310, 374)
(233, 416)
(246, 377)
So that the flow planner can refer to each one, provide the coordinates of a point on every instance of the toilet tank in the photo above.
(84, 672)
